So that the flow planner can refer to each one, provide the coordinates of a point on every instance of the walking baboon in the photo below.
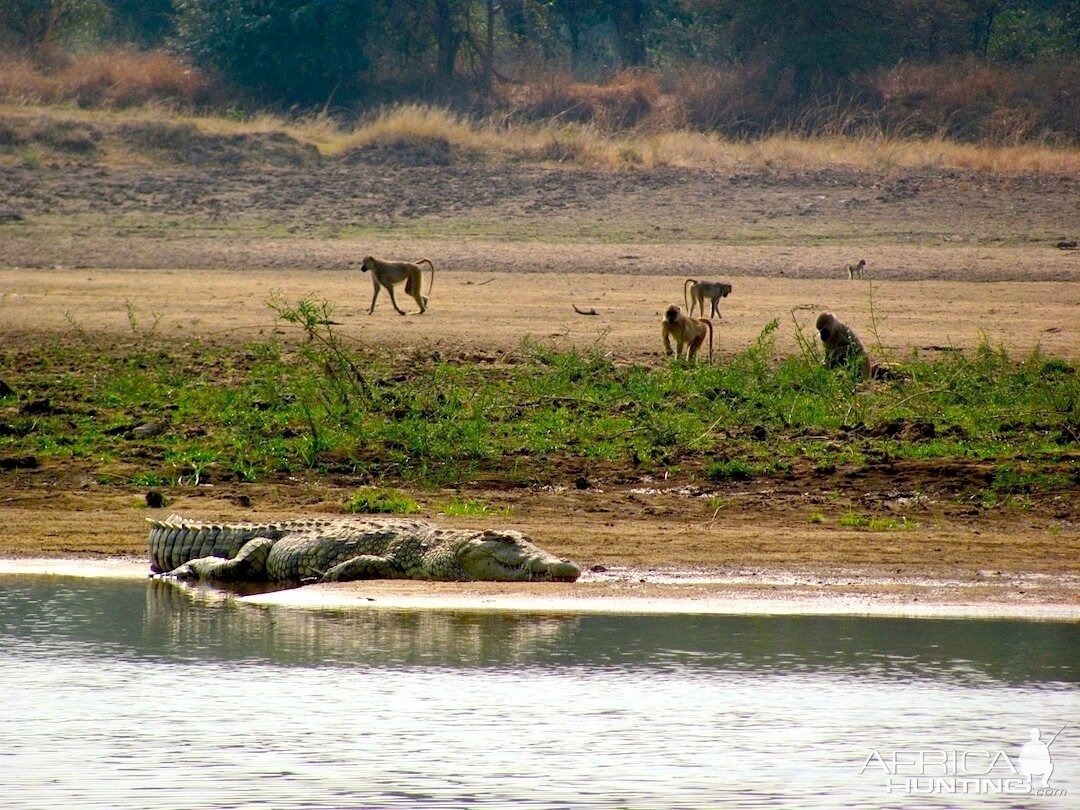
(855, 270)
(700, 290)
(689, 332)
(842, 345)
(387, 274)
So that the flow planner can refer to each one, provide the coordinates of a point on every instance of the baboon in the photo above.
(842, 345)
(855, 270)
(689, 332)
(700, 290)
(387, 274)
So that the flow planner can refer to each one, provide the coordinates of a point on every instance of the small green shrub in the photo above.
(735, 470)
(381, 500)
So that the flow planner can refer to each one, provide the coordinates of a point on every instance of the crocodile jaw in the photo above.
(509, 556)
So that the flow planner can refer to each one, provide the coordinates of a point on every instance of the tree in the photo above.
(629, 18)
(42, 23)
(451, 20)
(489, 48)
(147, 22)
(282, 52)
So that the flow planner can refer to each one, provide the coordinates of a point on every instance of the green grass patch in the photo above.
(729, 471)
(381, 500)
(850, 520)
(323, 403)
(470, 508)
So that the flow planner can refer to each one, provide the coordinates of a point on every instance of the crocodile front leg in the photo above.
(249, 565)
(365, 566)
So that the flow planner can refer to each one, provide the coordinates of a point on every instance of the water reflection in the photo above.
(159, 619)
(128, 694)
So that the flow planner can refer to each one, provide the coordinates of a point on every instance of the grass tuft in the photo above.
(470, 508)
(381, 500)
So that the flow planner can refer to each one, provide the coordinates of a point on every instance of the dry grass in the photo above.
(115, 78)
(629, 99)
(405, 124)
(976, 102)
(966, 101)
(968, 115)
(587, 145)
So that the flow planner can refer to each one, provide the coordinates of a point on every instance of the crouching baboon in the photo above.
(387, 274)
(843, 347)
(855, 270)
(689, 332)
(700, 290)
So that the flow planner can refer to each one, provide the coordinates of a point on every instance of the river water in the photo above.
(133, 694)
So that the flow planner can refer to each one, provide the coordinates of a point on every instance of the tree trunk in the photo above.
(629, 16)
(489, 50)
(446, 38)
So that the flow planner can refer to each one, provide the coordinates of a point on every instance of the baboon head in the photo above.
(672, 314)
(368, 260)
(825, 324)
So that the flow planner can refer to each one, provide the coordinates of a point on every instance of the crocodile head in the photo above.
(508, 555)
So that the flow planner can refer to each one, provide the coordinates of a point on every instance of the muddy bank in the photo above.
(640, 591)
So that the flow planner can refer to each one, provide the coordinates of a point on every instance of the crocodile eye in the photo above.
(499, 537)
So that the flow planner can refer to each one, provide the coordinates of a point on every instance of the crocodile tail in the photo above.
(177, 540)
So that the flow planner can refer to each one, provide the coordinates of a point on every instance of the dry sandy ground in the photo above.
(493, 312)
(956, 260)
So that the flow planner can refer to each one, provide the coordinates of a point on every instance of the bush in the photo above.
(117, 77)
(980, 102)
(626, 101)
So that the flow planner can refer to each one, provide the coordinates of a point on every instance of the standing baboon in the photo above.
(700, 290)
(387, 274)
(842, 345)
(855, 270)
(689, 332)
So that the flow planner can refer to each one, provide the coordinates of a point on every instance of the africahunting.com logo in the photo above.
(983, 771)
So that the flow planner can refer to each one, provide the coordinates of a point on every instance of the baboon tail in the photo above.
(685, 294)
(432, 282)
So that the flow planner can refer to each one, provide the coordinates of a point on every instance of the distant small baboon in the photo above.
(855, 270)
(688, 332)
(695, 292)
(842, 345)
(387, 274)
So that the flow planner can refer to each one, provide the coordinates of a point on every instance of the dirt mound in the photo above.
(185, 144)
(412, 152)
(159, 142)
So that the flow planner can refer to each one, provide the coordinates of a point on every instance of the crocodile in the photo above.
(346, 548)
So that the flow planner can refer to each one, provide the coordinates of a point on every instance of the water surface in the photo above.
(134, 694)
